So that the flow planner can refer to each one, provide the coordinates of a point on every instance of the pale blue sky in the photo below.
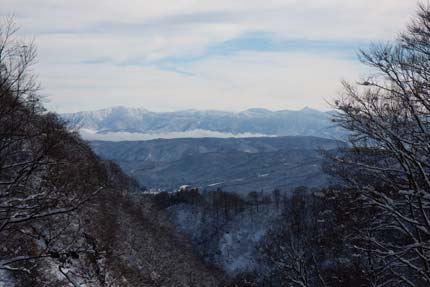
(232, 55)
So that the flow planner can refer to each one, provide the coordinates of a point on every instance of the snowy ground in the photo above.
(5, 279)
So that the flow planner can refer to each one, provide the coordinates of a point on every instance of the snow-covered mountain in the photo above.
(121, 123)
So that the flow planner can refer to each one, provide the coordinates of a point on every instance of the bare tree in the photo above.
(289, 247)
(388, 116)
(276, 194)
(46, 173)
(17, 57)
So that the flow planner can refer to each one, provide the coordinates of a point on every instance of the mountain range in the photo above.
(122, 123)
(256, 149)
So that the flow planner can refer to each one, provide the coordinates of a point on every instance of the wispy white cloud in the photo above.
(201, 54)
(252, 79)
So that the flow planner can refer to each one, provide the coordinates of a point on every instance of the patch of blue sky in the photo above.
(266, 42)
(261, 42)
(251, 42)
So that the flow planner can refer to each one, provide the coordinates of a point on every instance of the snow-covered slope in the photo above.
(232, 243)
(121, 123)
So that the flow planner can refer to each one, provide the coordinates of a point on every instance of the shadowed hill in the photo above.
(233, 164)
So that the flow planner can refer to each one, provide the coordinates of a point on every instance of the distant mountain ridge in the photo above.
(122, 123)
